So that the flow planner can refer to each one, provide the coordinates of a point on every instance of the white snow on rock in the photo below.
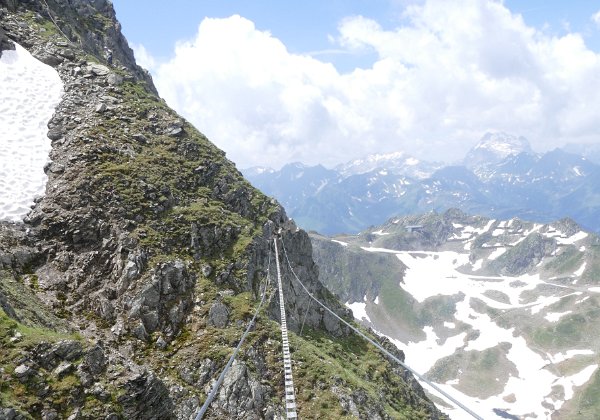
(478, 264)
(572, 239)
(359, 310)
(340, 242)
(569, 354)
(438, 273)
(555, 316)
(431, 347)
(496, 253)
(580, 271)
(29, 94)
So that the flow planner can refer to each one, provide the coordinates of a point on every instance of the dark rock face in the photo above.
(525, 255)
(164, 301)
(146, 398)
(218, 315)
(5, 42)
(241, 395)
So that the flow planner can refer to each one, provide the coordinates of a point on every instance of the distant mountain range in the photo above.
(500, 177)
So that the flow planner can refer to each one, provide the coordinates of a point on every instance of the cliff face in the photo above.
(132, 278)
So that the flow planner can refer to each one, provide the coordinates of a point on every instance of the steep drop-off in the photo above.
(130, 282)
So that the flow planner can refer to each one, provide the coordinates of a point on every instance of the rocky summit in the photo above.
(128, 285)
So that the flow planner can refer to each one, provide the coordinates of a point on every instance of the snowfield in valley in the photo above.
(532, 391)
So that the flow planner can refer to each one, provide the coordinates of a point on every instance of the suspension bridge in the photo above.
(289, 402)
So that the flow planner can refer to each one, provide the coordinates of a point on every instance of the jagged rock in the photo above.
(161, 343)
(5, 42)
(55, 133)
(525, 255)
(205, 371)
(49, 58)
(207, 270)
(218, 315)
(163, 303)
(241, 395)
(346, 401)
(85, 378)
(64, 369)
(114, 79)
(188, 408)
(69, 350)
(10, 414)
(49, 415)
(67, 53)
(146, 397)
(23, 373)
(139, 137)
(99, 392)
(6, 307)
(98, 69)
(95, 361)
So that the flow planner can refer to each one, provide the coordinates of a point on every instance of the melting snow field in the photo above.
(436, 273)
(29, 94)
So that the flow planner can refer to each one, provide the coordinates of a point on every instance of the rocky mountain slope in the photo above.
(501, 177)
(503, 314)
(129, 283)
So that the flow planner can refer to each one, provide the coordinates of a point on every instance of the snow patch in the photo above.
(339, 242)
(29, 93)
(496, 253)
(569, 354)
(359, 310)
(580, 271)
(572, 239)
(555, 316)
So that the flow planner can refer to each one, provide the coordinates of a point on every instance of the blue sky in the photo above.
(339, 79)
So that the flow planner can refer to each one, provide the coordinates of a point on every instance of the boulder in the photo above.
(218, 315)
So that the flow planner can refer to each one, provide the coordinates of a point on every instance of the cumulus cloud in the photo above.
(451, 72)
(596, 18)
(143, 57)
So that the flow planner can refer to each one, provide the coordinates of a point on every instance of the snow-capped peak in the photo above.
(395, 162)
(257, 170)
(494, 147)
(503, 144)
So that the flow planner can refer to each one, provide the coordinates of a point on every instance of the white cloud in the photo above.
(452, 72)
(596, 18)
(143, 57)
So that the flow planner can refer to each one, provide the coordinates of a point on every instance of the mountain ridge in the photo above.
(514, 183)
